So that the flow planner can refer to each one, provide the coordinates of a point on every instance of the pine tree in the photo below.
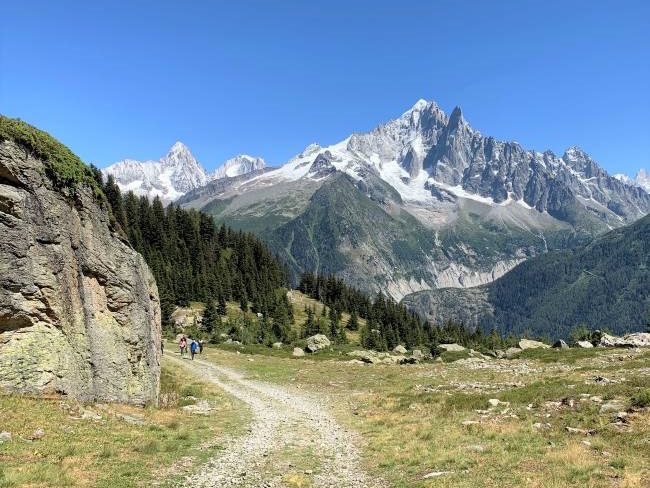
(221, 305)
(353, 322)
(211, 320)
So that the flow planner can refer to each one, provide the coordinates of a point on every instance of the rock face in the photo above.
(79, 309)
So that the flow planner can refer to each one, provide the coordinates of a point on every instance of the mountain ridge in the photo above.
(176, 173)
(604, 284)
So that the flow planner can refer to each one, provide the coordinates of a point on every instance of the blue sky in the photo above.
(128, 79)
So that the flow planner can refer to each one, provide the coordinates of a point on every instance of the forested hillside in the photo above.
(603, 285)
(192, 259)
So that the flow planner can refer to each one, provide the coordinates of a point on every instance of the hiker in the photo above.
(193, 348)
(183, 345)
(201, 346)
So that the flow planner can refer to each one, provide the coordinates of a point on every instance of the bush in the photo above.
(641, 399)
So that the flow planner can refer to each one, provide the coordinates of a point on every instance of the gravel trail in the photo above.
(286, 426)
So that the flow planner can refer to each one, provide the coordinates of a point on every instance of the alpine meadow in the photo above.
(261, 245)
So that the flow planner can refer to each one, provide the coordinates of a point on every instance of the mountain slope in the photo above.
(175, 174)
(470, 206)
(605, 284)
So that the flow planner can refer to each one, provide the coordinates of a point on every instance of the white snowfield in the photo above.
(175, 174)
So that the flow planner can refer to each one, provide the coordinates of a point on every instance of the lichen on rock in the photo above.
(79, 308)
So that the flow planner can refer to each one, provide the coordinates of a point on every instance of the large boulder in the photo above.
(635, 339)
(528, 344)
(452, 347)
(560, 345)
(584, 345)
(399, 349)
(317, 342)
(79, 308)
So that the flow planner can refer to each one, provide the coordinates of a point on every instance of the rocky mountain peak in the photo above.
(237, 166)
(578, 160)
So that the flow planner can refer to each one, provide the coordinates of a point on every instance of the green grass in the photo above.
(111, 452)
(411, 417)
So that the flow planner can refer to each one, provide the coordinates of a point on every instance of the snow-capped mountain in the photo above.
(642, 179)
(237, 166)
(174, 174)
(422, 201)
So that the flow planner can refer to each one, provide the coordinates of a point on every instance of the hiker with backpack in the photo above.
(182, 344)
(194, 347)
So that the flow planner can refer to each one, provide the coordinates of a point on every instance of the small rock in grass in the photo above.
(38, 434)
(470, 422)
(5, 436)
(298, 352)
(542, 426)
(574, 430)
(612, 406)
(584, 344)
(435, 474)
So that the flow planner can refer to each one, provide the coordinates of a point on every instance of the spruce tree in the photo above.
(211, 319)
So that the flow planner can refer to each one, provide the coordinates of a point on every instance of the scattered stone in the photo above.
(574, 430)
(435, 474)
(297, 352)
(584, 344)
(528, 344)
(612, 406)
(542, 425)
(202, 407)
(620, 418)
(417, 353)
(355, 361)
(317, 342)
(494, 402)
(452, 347)
(277, 345)
(399, 349)
(512, 352)
(309, 471)
(5, 437)
(636, 339)
(37, 435)
(88, 414)
(134, 419)
(470, 422)
(560, 345)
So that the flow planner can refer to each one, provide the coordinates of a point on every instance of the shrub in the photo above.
(641, 399)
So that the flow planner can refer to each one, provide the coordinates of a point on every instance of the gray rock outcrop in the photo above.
(529, 344)
(317, 342)
(636, 339)
(79, 308)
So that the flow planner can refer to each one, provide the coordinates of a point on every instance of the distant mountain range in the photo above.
(604, 284)
(175, 174)
(423, 201)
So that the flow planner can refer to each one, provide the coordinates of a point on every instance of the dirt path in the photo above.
(289, 432)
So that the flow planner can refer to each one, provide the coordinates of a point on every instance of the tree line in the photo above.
(193, 259)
